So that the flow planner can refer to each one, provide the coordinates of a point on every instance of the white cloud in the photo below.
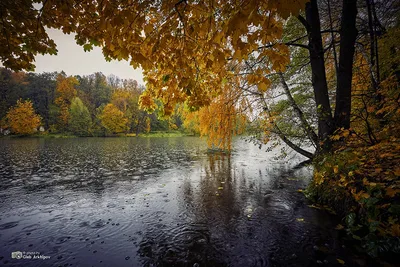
(73, 60)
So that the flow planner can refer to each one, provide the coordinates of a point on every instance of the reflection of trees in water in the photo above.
(192, 238)
(212, 227)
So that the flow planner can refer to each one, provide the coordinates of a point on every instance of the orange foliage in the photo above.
(222, 119)
(65, 93)
(22, 118)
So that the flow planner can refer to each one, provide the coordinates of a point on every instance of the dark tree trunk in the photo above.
(320, 86)
(348, 35)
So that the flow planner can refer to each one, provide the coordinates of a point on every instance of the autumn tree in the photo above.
(65, 93)
(209, 33)
(113, 120)
(216, 39)
(126, 99)
(22, 118)
(80, 120)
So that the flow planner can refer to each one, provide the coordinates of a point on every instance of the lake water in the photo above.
(157, 202)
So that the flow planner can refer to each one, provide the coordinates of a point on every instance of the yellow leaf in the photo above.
(336, 169)
(395, 230)
(365, 195)
(220, 188)
(340, 261)
(339, 227)
(300, 219)
(391, 192)
(262, 87)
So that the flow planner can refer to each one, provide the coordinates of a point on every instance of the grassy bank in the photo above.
(164, 134)
(68, 135)
(361, 184)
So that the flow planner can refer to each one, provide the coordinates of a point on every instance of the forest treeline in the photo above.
(89, 105)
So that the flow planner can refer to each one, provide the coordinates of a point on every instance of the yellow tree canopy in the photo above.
(182, 46)
(113, 119)
(22, 118)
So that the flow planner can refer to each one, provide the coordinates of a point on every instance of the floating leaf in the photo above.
(340, 261)
(339, 227)
(314, 206)
(300, 219)
(220, 188)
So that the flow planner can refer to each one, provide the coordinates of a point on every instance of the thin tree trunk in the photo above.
(284, 138)
(306, 126)
(348, 35)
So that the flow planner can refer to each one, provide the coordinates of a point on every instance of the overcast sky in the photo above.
(73, 60)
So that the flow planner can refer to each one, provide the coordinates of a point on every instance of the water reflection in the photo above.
(156, 202)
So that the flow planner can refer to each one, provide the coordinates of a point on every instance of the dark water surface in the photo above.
(157, 202)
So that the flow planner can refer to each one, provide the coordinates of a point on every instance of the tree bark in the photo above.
(320, 86)
(348, 35)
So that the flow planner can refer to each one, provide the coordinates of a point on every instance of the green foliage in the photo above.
(95, 91)
(80, 119)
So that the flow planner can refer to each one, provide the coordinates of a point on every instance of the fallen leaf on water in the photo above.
(340, 261)
(300, 219)
(220, 188)
(314, 206)
(300, 190)
(339, 227)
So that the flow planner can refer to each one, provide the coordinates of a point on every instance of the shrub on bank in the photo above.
(361, 184)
